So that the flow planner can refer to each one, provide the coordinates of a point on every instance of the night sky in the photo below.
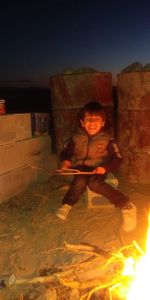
(40, 39)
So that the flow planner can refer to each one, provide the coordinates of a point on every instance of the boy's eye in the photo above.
(96, 119)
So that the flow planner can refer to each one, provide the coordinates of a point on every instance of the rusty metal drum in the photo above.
(2, 107)
(133, 125)
(69, 92)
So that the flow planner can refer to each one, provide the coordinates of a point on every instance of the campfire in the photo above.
(120, 275)
(123, 274)
(134, 284)
(102, 274)
(140, 273)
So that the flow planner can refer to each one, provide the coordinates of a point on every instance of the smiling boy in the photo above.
(92, 149)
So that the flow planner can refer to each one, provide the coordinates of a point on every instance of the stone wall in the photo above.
(23, 156)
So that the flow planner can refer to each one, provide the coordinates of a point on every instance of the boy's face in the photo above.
(92, 123)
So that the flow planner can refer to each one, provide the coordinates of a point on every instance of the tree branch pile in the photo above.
(101, 272)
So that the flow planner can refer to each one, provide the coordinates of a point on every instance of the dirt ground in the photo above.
(33, 239)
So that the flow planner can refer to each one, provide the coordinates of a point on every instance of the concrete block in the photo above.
(16, 181)
(15, 127)
(37, 148)
(19, 179)
(23, 163)
(12, 156)
(95, 200)
(15, 155)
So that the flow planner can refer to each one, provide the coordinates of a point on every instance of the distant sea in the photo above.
(24, 100)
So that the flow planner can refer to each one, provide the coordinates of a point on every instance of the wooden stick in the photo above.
(73, 172)
(64, 172)
(90, 249)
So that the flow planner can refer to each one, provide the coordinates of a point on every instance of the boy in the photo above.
(93, 150)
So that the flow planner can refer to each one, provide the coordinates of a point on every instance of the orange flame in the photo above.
(139, 288)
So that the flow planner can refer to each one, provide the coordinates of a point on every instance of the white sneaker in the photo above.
(129, 217)
(63, 211)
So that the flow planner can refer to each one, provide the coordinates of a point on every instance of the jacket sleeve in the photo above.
(67, 152)
(114, 158)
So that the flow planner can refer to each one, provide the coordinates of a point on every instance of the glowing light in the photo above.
(139, 288)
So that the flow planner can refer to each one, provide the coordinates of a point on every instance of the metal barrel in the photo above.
(133, 125)
(2, 107)
(69, 92)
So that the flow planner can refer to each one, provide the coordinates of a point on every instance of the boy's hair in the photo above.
(93, 108)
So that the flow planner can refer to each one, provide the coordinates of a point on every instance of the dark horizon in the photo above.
(39, 40)
(26, 99)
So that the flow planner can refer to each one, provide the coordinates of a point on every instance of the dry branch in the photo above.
(102, 271)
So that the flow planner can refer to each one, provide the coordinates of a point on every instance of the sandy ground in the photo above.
(32, 238)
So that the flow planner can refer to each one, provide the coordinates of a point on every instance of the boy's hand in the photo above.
(99, 170)
(66, 164)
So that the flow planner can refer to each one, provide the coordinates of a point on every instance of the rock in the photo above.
(134, 67)
(68, 71)
(146, 67)
(86, 70)
(79, 70)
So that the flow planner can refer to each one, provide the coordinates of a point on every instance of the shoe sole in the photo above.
(61, 217)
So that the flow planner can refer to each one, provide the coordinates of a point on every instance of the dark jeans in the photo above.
(96, 183)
